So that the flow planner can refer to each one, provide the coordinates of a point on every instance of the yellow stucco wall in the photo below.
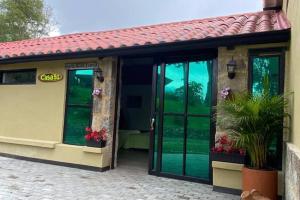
(227, 175)
(33, 111)
(292, 10)
(32, 118)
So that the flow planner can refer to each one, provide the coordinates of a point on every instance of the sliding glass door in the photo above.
(182, 112)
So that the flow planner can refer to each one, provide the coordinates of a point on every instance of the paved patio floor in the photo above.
(30, 180)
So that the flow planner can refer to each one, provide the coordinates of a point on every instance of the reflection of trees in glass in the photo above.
(194, 95)
(80, 87)
(207, 100)
(265, 66)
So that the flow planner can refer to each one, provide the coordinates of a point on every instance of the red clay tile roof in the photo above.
(232, 25)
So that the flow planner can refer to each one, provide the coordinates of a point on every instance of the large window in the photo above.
(270, 64)
(78, 106)
(15, 77)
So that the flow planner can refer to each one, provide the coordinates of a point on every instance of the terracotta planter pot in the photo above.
(263, 181)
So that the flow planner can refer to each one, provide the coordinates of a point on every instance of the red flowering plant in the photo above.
(96, 136)
(224, 144)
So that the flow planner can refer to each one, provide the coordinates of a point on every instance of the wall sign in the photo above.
(81, 65)
(50, 77)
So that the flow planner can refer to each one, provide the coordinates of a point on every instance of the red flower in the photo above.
(104, 137)
(229, 149)
(93, 134)
(96, 136)
(88, 137)
(224, 139)
(214, 149)
(242, 152)
(219, 149)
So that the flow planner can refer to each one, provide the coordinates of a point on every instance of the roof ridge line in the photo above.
(136, 27)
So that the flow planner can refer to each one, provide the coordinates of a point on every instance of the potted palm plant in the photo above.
(253, 122)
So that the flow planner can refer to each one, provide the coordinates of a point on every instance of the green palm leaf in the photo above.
(253, 122)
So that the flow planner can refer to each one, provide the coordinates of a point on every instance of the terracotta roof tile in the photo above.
(264, 21)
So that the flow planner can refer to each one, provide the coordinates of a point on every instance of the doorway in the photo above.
(135, 112)
(176, 122)
(182, 126)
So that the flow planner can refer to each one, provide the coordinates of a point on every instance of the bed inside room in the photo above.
(135, 111)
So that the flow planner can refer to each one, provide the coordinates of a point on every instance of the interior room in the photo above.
(135, 112)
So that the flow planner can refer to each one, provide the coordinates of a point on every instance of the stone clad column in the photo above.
(240, 81)
(104, 106)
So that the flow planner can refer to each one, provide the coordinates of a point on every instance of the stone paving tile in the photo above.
(37, 181)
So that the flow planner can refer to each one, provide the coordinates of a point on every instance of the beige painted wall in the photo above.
(292, 10)
(33, 111)
(32, 117)
(292, 157)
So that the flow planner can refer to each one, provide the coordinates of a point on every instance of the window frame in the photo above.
(270, 52)
(16, 71)
(66, 105)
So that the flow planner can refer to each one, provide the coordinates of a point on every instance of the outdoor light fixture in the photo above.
(99, 74)
(231, 67)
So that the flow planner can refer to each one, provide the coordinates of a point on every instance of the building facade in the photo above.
(159, 85)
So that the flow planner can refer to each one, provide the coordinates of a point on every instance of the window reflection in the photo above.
(199, 94)
(174, 88)
(265, 66)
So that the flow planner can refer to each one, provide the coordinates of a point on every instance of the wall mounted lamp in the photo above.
(99, 74)
(231, 67)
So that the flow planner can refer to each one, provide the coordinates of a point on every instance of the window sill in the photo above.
(28, 142)
(227, 166)
(87, 149)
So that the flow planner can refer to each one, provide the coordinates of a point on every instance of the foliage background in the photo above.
(24, 19)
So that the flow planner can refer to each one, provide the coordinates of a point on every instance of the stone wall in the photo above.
(239, 82)
(240, 55)
(292, 173)
(104, 106)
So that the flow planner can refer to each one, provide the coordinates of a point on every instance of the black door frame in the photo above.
(162, 62)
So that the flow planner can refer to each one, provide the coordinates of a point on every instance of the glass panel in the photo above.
(199, 96)
(172, 145)
(80, 87)
(158, 82)
(197, 147)
(265, 66)
(268, 66)
(174, 88)
(76, 121)
(19, 77)
(79, 92)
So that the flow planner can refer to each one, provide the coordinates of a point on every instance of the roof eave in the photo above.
(243, 39)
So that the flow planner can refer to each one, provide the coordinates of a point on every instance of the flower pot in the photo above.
(264, 181)
(228, 157)
(92, 143)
